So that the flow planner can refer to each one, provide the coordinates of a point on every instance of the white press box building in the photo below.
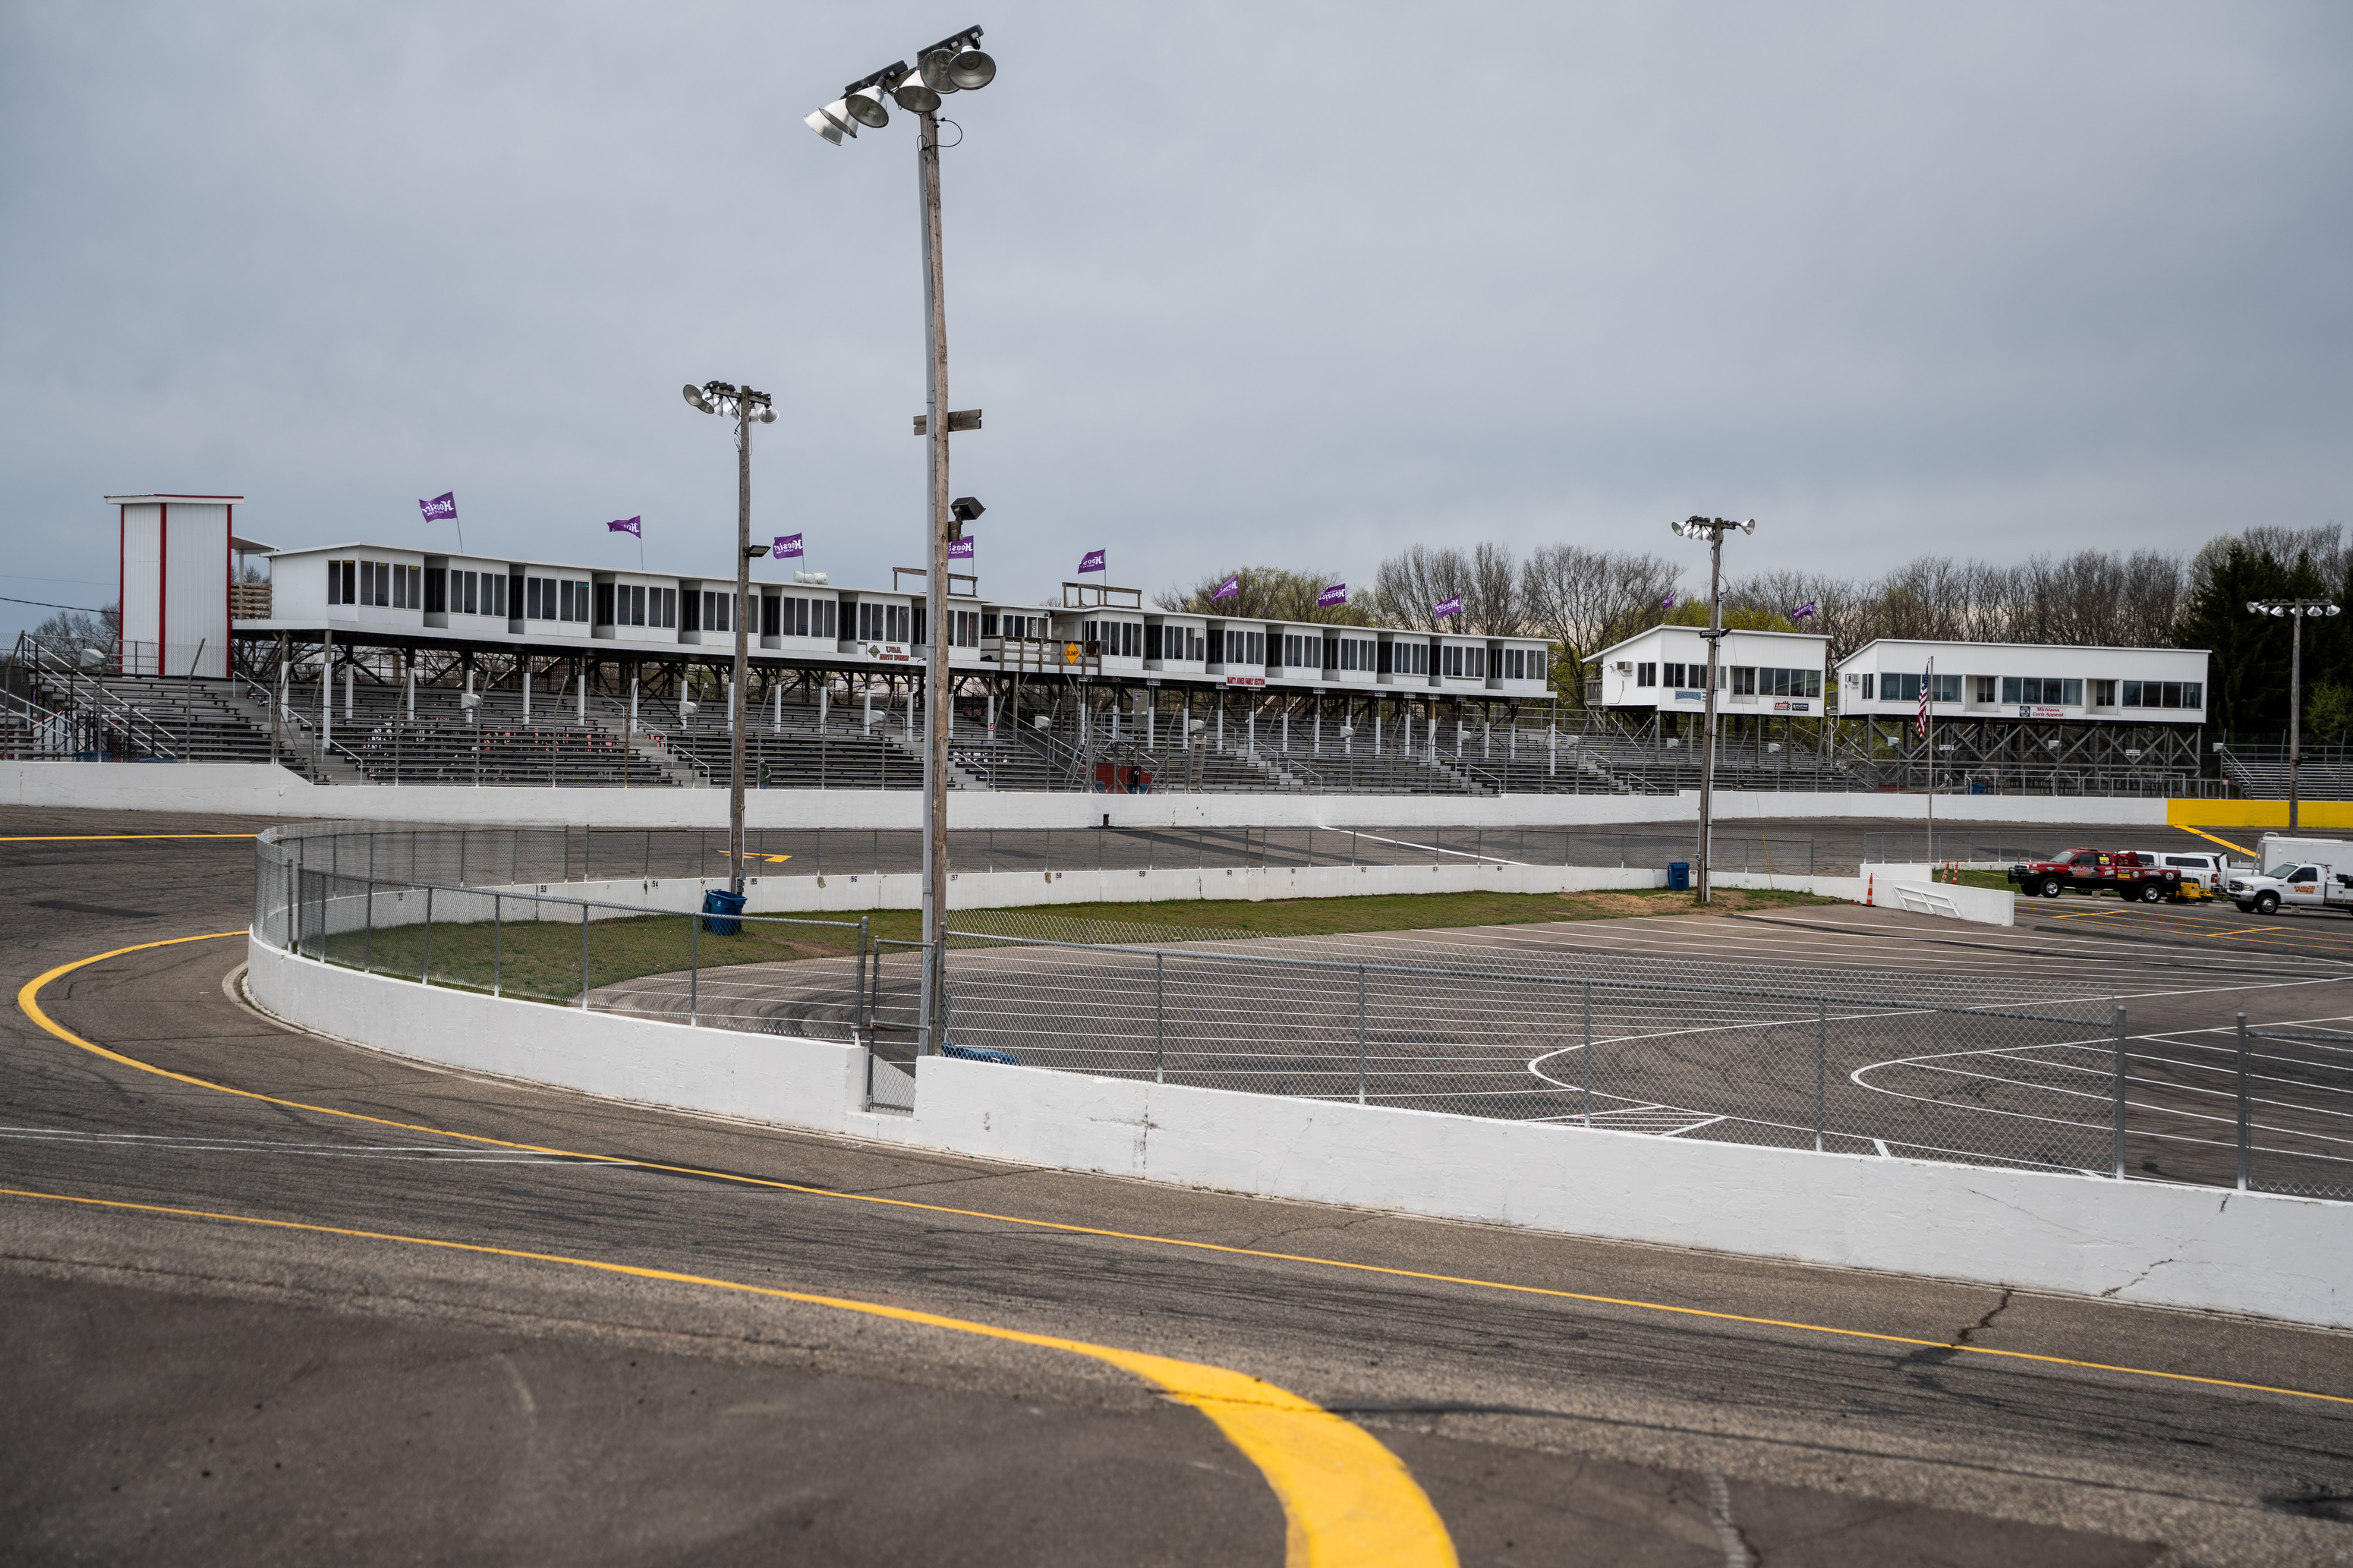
(1758, 674)
(2025, 681)
(373, 594)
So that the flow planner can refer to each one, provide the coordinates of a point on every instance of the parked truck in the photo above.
(2124, 872)
(2298, 874)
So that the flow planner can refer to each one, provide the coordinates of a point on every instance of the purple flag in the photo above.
(442, 508)
(1230, 589)
(625, 525)
(786, 545)
(1448, 607)
(1807, 608)
(1337, 594)
(959, 549)
(1668, 602)
(1092, 560)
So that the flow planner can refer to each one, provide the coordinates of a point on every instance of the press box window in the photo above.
(1646, 674)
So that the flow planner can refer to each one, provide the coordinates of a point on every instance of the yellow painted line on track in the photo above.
(27, 998)
(97, 837)
(1346, 1499)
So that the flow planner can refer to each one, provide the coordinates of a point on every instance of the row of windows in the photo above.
(1245, 648)
(373, 583)
(889, 623)
(796, 616)
(465, 592)
(1464, 663)
(1759, 680)
(2038, 690)
(635, 604)
(1174, 643)
(1118, 639)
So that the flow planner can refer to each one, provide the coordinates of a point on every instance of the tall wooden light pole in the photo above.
(1713, 530)
(747, 407)
(954, 64)
(2295, 610)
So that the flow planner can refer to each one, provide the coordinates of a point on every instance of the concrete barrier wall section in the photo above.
(2132, 1241)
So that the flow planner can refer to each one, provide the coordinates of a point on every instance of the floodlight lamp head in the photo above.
(695, 399)
(1748, 527)
(911, 93)
(866, 107)
(753, 552)
(968, 68)
(2254, 606)
(767, 414)
(965, 508)
(827, 126)
(92, 659)
(937, 74)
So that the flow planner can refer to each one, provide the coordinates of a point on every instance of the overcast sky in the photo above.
(1235, 284)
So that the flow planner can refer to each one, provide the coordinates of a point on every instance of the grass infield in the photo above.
(548, 959)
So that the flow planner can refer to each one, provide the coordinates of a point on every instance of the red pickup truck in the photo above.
(2123, 872)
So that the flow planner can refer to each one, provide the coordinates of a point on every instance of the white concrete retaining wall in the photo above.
(1915, 888)
(259, 788)
(2132, 1241)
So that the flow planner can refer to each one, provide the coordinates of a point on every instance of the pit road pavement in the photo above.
(189, 1388)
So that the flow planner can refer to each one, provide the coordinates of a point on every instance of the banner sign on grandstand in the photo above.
(442, 508)
(1230, 589)
(959, 549)
(786, 545)
(1337, 594)
(1451, 605)
(629, 525)
(1092, 560)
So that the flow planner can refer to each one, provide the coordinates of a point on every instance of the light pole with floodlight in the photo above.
(746, 407)
(1713, 530)
(2295, 610)
(954, 64)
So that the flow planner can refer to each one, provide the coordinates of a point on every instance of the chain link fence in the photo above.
(1857, 1061)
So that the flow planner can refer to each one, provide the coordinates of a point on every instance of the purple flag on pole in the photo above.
(1337, 594)
(625, 525)
(959, 549)
(786, 545)
(1230, 589)
(1448, 607)
(1807, 608)
(1668, 602)
(1092, 560)
(442, 508)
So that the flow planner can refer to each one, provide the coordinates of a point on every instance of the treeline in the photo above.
(1584, 600)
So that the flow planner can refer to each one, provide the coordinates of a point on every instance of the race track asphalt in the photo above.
(192, 1387)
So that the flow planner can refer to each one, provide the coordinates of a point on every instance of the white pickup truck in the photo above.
(2293, 885)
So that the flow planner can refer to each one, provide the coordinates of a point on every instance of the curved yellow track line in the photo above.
(27, 999)
(1346, 1499)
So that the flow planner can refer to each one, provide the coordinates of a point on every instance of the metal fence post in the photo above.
(1821, 1062)
(1360, 1034)
(584, 949)
(498, 934)
(2119, 1150)
(367, 942)
(1588, 1054)
(425, 974)
(2246, 1145)
(859, 1027)
(694, 968)
(1160, 1019)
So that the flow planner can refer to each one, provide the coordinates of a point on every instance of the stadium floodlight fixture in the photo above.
(965, 508)
(864, 104)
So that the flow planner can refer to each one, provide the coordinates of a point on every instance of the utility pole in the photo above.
(1713, 529)
(2295, 610)
(936, 592)
(743, 603)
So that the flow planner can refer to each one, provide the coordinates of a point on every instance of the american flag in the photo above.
(1927, 680)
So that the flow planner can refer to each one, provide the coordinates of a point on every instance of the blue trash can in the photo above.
(1679, 876)
(980, 1054)
(718, 902)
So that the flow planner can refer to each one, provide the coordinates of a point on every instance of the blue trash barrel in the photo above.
(981, 1054)
(718, 902)
(1679, 876)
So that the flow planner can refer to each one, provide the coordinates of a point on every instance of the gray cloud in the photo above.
(1295, 285)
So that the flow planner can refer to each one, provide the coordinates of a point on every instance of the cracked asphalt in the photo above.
(189, 1388)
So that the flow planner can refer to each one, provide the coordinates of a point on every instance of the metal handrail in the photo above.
(106, 706)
